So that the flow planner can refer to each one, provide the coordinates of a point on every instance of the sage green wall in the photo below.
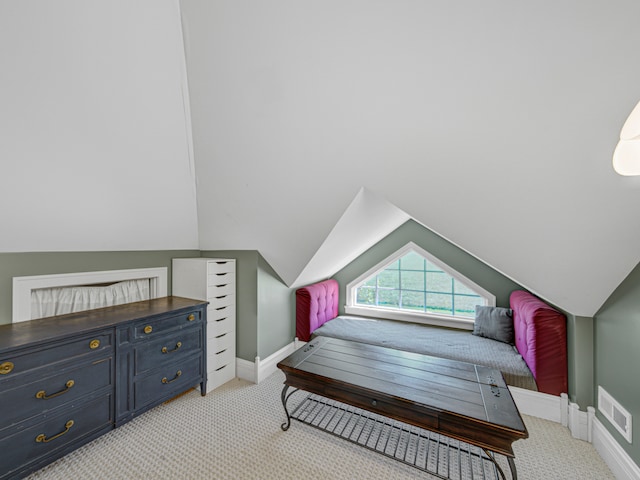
(46, 263)
(275, 325)
(453, 256)
(246, 299)
(617, 356)
(579, 329)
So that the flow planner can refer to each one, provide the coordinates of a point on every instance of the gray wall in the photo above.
(46, 263)
(275, 325)
(617, 356)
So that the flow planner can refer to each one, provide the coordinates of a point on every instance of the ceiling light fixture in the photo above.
(626, 156)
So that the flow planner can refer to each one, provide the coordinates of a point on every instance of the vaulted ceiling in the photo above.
(318, 127)
(492, 123)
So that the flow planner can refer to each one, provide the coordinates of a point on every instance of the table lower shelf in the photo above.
(430, 452)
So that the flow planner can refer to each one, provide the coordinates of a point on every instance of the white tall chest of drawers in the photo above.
(213, 280)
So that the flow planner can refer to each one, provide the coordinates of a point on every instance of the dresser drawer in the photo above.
(220, 326)
(222, 311)
(221, 342)
(172, 347)
(167, 381)
(50, 392)
(27, 360)
(221, 375)
(221, 358)
(56, 432)
(152, 328)
(221, 290)
(221, 266)
(217, 303)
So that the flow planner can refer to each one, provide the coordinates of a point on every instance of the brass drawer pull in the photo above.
(5, 368)
(191, 318)
(148, 329)
(94, 344)
(166, 350)
(178, 373)
(42, 394)
(42, 438)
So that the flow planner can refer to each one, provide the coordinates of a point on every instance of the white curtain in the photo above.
(46, 302)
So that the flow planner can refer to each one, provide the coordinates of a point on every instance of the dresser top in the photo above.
(16, 335)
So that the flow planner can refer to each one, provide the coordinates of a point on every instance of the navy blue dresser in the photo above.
(66, 380)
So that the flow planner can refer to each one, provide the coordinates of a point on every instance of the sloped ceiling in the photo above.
(492, 123)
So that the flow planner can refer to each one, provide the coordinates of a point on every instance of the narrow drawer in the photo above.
(221, 342)
(153, 328)
(219, 279)
(167, 381)
(220, 376)
(220, 290)
(55, 433)
(173, 346)
(220, 358)
(96, 344)
(48, 393)
(220, 326)
(222, 312)
(221, 266)
(217, 303)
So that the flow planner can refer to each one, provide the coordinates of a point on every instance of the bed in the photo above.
(536, 361)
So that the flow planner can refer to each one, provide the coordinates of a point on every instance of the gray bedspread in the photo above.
(437, 341)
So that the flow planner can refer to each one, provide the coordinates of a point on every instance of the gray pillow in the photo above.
(495, 323)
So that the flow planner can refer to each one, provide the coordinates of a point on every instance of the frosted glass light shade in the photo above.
(626, 156)
(631, 128)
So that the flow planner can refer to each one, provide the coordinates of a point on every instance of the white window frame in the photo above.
(22, 286)
(353, 308)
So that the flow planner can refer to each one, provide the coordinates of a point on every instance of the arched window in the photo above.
(414, 285)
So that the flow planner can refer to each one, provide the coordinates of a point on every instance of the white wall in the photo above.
(94, 127)
(492, 123)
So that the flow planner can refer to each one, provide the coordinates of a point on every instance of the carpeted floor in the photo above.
(234, 433)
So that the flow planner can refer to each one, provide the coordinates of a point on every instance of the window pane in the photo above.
(459, 287)
(438, 282)
(466, 306)
(389, 278)
(412, 261)
(371, 282)
(415, 284)
(366, 296)
(433, 268)
(412, 280)
(389, 298)
(437, 303)
(413, 301)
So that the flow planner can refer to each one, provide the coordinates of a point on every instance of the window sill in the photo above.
(426, 319)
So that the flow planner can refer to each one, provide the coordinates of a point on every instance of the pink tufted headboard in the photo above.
(315, 305)
(541, 339)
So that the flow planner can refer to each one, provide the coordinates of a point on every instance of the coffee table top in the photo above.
(456, 398)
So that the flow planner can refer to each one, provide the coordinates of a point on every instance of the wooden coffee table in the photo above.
(463, 401)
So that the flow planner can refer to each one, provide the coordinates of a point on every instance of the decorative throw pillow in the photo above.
(495, 323)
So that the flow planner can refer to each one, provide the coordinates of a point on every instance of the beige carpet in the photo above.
(234, 433)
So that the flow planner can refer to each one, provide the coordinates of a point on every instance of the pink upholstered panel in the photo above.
(315, 305)
(541, 339)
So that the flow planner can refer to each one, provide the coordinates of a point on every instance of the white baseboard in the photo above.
(260, 369)
(620, 463)
(536, 404)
